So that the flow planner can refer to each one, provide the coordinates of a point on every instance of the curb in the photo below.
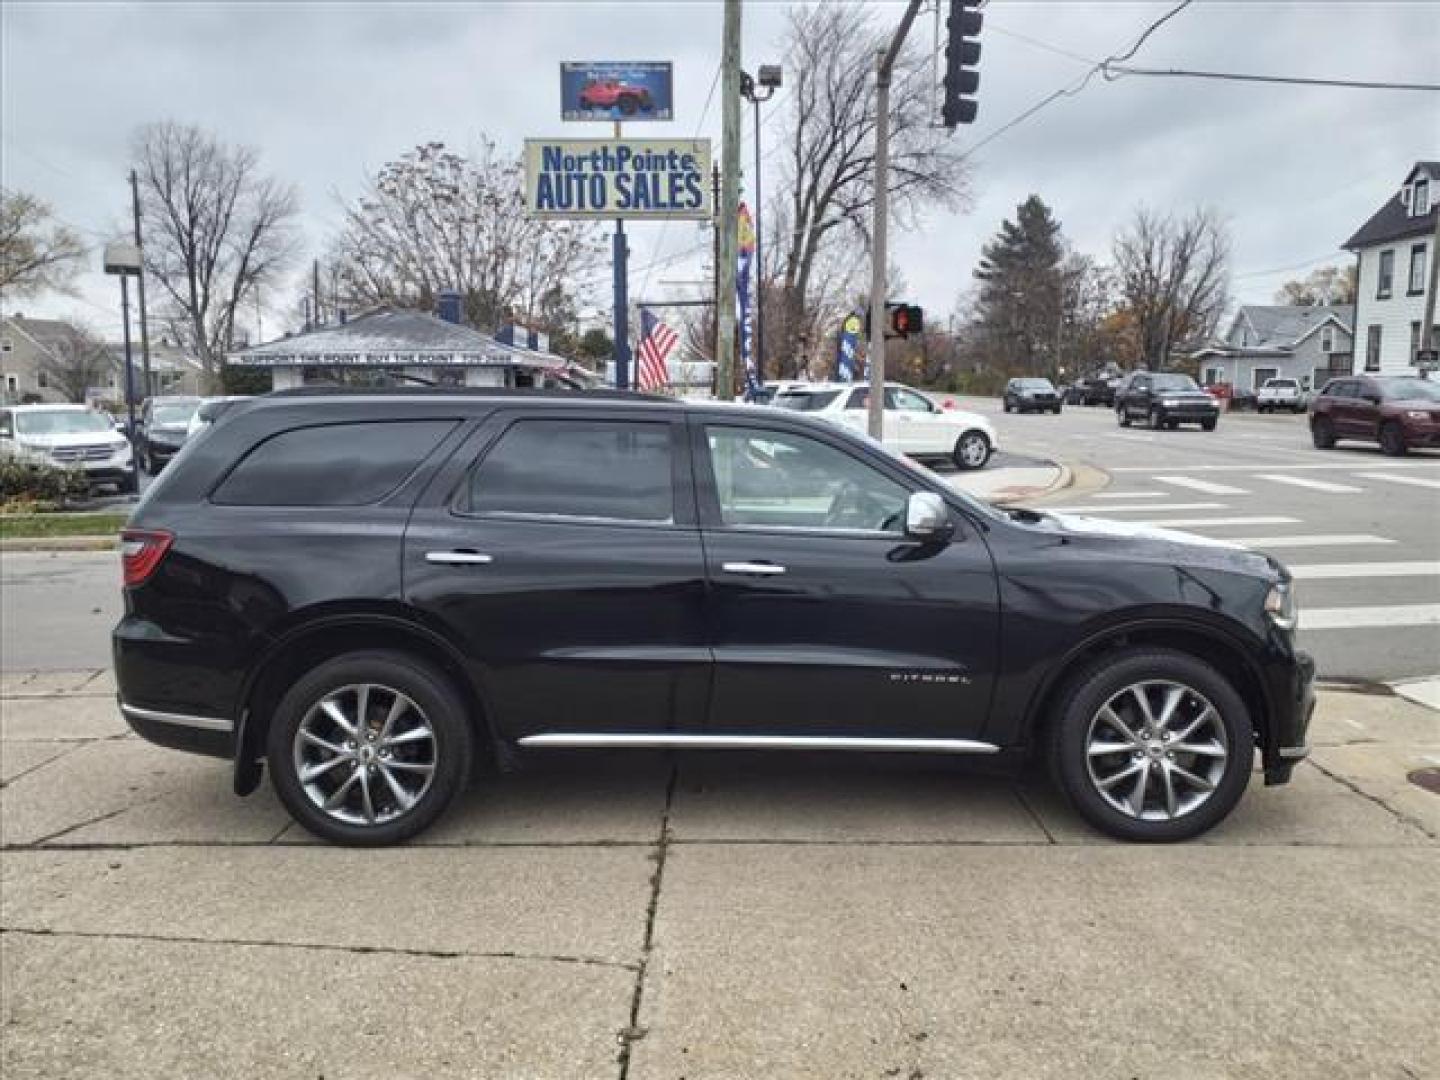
(59, 543)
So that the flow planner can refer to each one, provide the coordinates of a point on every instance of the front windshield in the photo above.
(173, 415)
(1034, 384)
(61, 422)
(1410, 389)
(806, 401)
(1174, 382)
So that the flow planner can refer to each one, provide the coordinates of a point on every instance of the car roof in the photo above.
(51, 406)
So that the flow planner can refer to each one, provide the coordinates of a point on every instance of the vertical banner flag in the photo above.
(656, 343)
(753, 389)
(846, 346)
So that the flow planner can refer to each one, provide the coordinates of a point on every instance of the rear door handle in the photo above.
(761, 568)
(457, 558)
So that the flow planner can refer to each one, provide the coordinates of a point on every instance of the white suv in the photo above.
(68, 435)
(914, 425)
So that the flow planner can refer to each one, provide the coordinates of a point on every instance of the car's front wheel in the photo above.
(369, 748)
(972, 450)
(1209, 425)
(1152, 744)
(1322, 433)
(1392, 440)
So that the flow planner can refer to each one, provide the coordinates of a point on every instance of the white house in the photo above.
(1394, 249)
(1309, 344)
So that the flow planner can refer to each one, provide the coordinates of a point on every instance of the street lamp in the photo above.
(769, 81)
(124, 259)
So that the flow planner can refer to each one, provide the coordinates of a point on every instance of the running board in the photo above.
(602, 740)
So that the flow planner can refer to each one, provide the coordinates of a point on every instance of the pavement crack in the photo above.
(633, 1032)
(1404, 819)
(37, 767)
(312, 946)
(1030, 809)
(52, 837)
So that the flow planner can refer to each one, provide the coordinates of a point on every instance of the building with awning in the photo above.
(388, 345)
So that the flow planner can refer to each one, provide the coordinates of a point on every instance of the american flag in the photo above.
(656, 343)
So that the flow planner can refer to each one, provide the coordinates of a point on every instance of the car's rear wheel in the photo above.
(1122, 416)
(1322, 433)
(1152, 745)
(1209, 425)
(369, 748)
(1392, 439)
(972, 450)
(1156, 419)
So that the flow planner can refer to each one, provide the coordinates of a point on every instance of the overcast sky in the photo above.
(329, 92)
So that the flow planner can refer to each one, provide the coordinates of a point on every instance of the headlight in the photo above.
(1170, 403)
(1280, 605)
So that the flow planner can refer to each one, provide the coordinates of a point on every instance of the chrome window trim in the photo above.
(809, 530)
(207, 723)
(667, 741)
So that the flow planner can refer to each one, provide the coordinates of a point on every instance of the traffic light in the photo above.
(962, 56)
(903, 320)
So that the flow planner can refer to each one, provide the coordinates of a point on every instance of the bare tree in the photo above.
(216, 229)
(1173, 273)
(37, 254)
(74, 361)
(829, 158)
(434, 220)
(1323, 286)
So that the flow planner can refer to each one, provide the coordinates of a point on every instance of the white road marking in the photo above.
(1424, 691)
(1132, 495)
(1355, 618)
(1335, 571)
(1192, 523)
(1337, 464)
(1418, 481)
(1147, 508)
(1337, 540)
(1314, 485)
(1205, 487)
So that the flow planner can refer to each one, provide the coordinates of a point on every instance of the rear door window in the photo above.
(597, 470)
(331, 464)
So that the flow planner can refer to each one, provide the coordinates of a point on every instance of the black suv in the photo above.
(1164, 399)
(378, 592)
(161, 429)
(1023, 395)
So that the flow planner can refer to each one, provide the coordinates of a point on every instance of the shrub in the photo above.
(34, 483)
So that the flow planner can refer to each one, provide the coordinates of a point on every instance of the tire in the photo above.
(1110, 682)
(387, 675)
(1156, 420)
(1209, 425)
(1057, 410)
(1123, 417)
(130, 485)
(1322, 433)
(972, 451)
(1392, 439)
(1171, 425)
(1007, 406)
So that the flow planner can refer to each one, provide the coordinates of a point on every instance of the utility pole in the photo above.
(620, 265)
(729, 208)
(884, 68)
(715, 269)
(315, 289)
(1427, 328)
(140, 247)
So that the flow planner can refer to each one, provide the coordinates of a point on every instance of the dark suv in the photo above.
(378, 592)
(1164, 399)
(1023, 395)
(1398, 412)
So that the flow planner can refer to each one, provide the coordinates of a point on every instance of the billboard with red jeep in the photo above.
(616, 90)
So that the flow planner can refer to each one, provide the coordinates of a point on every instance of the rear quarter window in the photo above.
(331, 464)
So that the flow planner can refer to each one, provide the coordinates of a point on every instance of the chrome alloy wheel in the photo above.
(365, 754)
(974, 449)
(1156, 750)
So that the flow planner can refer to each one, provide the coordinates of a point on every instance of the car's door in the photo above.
(924, 428)
(560, 548)
(1345, 407)
(825, 620)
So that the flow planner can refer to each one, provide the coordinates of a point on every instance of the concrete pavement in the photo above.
(710, 916)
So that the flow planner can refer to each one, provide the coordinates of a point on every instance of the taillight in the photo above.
(141, 551)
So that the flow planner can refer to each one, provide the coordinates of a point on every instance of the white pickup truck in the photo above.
(1280, 394)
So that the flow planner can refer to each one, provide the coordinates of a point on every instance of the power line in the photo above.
(1329, 257)
(1037, 43)
(1114, 72)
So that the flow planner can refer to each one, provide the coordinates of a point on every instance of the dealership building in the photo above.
(389, 345)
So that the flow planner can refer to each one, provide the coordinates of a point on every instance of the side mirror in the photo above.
(926, 516)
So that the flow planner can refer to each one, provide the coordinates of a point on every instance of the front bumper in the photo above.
(1293, 705)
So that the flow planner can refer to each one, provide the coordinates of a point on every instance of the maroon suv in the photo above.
(1399, 412)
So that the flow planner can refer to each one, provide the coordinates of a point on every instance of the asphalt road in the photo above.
(1361, 531)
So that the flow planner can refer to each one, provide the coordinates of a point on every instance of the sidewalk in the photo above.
(646, 916)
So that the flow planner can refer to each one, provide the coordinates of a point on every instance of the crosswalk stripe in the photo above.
(1195, 523)
(1205, 487)
(1314, 485)
(1336, 571)
(1146, 509)
(1335, 540)
(1131, 495)
(1339, 463)
(1418, 481)
(1354, 618)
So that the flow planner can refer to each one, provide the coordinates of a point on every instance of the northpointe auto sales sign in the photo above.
(618, 178)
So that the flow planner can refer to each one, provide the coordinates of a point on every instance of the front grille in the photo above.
(70, 455)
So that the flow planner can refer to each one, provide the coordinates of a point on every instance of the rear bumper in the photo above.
(211, 735)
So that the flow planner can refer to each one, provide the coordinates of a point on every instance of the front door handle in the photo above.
(457, 558)
(761, 568)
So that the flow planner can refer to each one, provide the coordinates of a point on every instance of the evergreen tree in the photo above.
(1023, 288)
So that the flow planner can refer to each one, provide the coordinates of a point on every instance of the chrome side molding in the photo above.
(664, 741)
(209, 723)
